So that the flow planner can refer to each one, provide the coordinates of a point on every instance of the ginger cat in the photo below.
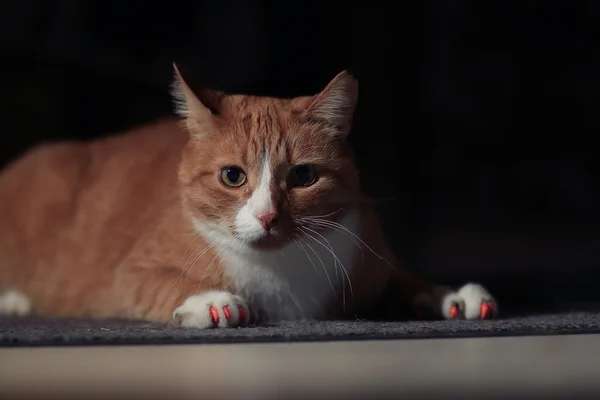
(245, 210)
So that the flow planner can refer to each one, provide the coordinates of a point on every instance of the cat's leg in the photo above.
(429, 300)
(14, 303)
(165, 295)
(407, 291)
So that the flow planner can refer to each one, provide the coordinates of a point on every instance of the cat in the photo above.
(238, 210)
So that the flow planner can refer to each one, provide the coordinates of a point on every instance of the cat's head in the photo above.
(255, 167)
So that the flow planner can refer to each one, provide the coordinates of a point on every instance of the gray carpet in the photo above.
(37, 331)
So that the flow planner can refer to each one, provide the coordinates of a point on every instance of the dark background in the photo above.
(475, 129)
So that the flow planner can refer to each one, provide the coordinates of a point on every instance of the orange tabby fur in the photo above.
(104, 228)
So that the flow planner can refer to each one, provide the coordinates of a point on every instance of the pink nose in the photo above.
(267, 219)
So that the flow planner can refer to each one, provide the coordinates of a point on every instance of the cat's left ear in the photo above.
(335, 105)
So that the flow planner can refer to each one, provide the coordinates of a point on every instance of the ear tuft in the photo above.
(186, 102)
(198, 118)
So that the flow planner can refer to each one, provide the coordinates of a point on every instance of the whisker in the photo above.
(335, 265)
(297, 242)
(198, 236)
(341, 229)
(194, 255)
(332, 223)
(181, 258)
(322, 264)
(330, 248)
(225, 247)
(325, 215)
(193, 262)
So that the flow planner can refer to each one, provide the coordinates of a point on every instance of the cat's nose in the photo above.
(267, 219)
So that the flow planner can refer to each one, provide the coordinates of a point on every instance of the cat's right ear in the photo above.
(198, 118)
(336, 103)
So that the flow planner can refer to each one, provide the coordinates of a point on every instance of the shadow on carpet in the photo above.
(39, 331)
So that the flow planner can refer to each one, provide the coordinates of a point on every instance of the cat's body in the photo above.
(251, 212)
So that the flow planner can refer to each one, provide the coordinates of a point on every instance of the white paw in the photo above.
(14, 303)
(213, 309)
(471, 301)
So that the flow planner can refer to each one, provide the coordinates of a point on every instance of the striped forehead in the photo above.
(266, 136)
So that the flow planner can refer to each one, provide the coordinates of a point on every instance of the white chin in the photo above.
(250, 240)
(263, 241)
(252, 236)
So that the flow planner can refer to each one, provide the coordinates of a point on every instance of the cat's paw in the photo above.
(214, 309)
(471, 301)
(16, 303)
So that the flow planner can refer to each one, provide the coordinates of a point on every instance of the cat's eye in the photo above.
(303, 175)
(233, 176)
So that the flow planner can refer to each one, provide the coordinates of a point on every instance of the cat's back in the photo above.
(70, 191)
(44, 177)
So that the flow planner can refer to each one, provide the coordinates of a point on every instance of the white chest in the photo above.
(299, 281)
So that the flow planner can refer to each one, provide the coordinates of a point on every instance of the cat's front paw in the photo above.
(471, 301)
(214, 309)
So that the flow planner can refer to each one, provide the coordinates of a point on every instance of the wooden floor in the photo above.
(549, 366)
